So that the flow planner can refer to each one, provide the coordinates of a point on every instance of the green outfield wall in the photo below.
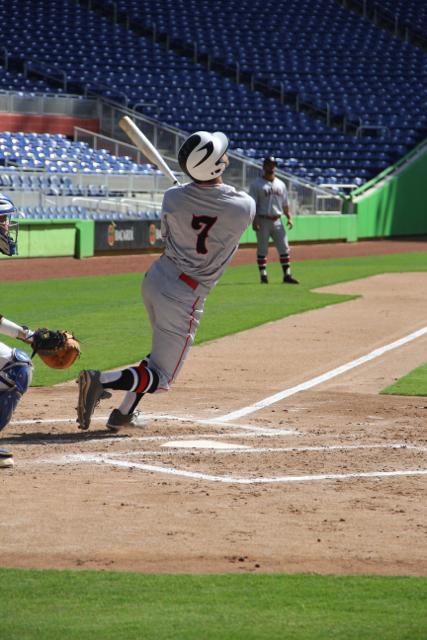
(318, 228)
(395, 204)
(50, 238)
(76, 238)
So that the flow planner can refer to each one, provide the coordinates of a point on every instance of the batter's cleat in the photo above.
(117, 420)
(6, 459)
(290, 280)
(264, 279)
(91, 392)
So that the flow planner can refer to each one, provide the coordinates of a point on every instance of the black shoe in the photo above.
(290, 280)
(117, 420)
(264, 279)
(91, 392)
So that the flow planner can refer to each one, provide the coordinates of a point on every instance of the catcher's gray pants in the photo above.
(174, 309)
(275, 229)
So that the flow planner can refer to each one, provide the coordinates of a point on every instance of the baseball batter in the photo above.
(271, 198)
(15, 364)
(202, 222)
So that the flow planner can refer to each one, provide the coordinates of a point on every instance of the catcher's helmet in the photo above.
(8, 229)
(200, 156)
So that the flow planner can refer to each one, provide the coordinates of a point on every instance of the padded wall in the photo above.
(32, 123)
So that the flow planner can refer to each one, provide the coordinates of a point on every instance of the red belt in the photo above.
(188, 280)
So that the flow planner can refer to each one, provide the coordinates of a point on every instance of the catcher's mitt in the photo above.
(57, 349)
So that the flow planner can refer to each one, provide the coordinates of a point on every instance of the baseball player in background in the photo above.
(15, 364)
(271, 198)
(202, 222)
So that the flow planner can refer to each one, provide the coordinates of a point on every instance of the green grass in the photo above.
(107, 314)
(125, 606)
(413, 384)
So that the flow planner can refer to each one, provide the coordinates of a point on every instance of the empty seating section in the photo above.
(10, 81)
(329, 56)
(50, 184)
(56, 154)
(316, 49)
(75, 212)
(409, 13)
(49, 163)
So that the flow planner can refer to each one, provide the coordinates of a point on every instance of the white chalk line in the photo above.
(243, 449)
(322, 378)
(196, 475)
(102, 458)
(125, 438)
(214, 422)
(225, 421)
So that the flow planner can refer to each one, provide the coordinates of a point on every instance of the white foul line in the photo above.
(104, 459)
(322, 378)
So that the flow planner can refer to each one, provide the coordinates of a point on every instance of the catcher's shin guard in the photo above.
(15, 378)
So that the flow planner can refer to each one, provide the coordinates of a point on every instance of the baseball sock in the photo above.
(130, 402)
(285, 262)
(262, 265)
(140, 379)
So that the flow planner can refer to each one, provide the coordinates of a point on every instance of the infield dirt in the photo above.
(65, 510)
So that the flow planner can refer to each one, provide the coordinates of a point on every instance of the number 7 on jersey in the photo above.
(204, 224)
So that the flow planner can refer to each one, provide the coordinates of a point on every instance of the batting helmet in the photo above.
(200, 156)
(8, 242)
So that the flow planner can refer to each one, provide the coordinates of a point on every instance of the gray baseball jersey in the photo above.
(202, 226)
(270, 196)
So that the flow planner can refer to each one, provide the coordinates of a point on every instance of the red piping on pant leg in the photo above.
(186, 342)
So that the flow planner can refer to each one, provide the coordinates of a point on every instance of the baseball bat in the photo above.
(145, 146)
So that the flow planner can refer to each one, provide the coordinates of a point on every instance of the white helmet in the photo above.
(200, 155)
(8, 229)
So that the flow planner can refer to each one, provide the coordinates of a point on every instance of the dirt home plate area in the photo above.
(274, 452)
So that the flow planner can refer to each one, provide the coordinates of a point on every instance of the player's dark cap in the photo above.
(270, 160)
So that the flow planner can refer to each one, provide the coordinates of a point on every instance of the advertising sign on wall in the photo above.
(129, 235)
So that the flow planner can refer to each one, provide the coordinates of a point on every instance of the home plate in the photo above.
(202, 444)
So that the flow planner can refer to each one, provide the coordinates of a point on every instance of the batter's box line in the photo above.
(169, 449)
(205, 422)
(196, 475)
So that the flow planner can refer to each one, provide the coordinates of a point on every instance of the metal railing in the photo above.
(48, 104)
(106, 184)
(305, 197)
(383, 129)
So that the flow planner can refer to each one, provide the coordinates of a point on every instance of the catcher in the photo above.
(58, 349)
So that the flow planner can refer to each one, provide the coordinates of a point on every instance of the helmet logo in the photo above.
(209, 151)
